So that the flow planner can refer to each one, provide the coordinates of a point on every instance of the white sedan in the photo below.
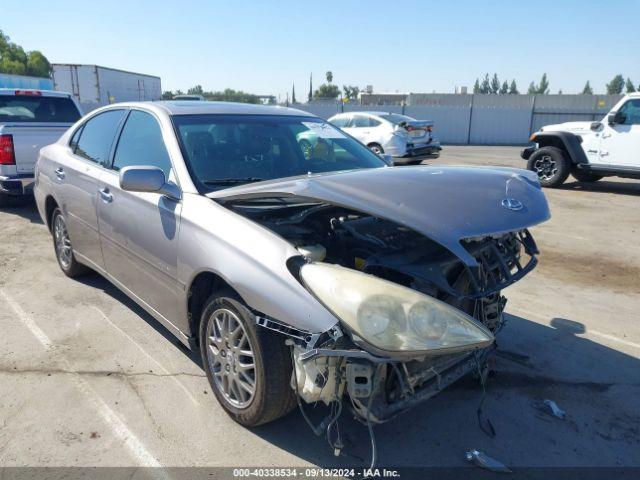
(389, 133)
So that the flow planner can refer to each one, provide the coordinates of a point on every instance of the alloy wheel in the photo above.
(546, 167)
(231, 358)
(62, 242)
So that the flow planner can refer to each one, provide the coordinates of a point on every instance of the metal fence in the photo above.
(485, 119)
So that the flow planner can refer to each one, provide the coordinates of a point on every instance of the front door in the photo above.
(620, 144)
(139, 231)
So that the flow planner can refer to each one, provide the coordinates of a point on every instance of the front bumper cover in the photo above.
(527, 152)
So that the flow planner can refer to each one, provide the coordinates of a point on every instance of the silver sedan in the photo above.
(302, 275)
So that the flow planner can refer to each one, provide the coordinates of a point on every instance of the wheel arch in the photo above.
(569, 143)
(202, 285)
(50, 204)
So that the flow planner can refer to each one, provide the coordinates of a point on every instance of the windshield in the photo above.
(226, 150)
(23, 108)
(397, 119)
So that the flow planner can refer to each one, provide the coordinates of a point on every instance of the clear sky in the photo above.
(410, 45)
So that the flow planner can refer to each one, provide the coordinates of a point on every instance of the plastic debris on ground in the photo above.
(552, 407)
(483, 460)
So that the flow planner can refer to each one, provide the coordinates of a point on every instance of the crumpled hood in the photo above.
(573, 127)
(446, 204)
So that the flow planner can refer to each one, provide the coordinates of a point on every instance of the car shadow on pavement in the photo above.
(605, 186)
(96, 280)
(597, 386)
(26, 208)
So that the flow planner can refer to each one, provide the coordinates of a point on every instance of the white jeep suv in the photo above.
(589, 150)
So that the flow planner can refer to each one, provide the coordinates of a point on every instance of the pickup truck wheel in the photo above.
(248, 367)
(586, 177)
(375, 148)
(63, 248)
(551, 165)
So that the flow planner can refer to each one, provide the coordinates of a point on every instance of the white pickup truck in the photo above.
(589, 150)
(29, 120)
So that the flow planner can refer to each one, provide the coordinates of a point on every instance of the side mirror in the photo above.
(616, 118)
(595, 126)
(147, 179)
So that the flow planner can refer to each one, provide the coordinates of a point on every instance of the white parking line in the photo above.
(146, 354)
(26, 320)
(614, 339)
(118, 427)
(588, 331)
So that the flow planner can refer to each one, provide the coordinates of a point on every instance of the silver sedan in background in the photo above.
(302, 275)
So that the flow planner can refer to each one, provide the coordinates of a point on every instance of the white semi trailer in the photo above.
(94, 86)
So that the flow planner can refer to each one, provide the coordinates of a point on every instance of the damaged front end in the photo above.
(414, 317)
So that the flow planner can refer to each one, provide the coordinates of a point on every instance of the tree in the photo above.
(587, 90)
(543, 88)
(513, 88)
(495, 84)
(351, 92)
(14, 60)
(326, 91)
(476, 86)
(167, 95)
(629, 86)
(486, 85)
(310, 97)
(197, 90)
(293, 94)
(615, 86)
(329, 75)
(504, 89)
(533, 89)
(38, 65)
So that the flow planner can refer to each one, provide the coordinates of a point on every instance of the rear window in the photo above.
(23, 108)
(396, 118)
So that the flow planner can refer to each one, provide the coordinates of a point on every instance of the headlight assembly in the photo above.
(391, 317)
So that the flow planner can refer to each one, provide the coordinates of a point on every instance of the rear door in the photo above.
(139, 231)
(77, 173)
(620, 144)
(359, 127)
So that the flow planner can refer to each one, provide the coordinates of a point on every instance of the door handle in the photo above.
(606, 135)
(105, 195)
(60, 173)
(604, 153)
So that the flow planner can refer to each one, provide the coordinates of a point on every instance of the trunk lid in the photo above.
(29, 138)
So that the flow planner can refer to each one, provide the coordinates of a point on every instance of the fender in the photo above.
(566, 141)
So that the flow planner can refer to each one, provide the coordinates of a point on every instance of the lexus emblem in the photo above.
(512, 204)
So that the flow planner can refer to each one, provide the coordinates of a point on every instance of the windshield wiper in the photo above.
(231, 181)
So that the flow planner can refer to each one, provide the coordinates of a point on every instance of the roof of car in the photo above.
(376, 114)
(189, 107)
(33, 92)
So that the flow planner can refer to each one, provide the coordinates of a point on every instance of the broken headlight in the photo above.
(391, 317)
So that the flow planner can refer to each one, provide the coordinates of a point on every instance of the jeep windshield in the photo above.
(226, 150)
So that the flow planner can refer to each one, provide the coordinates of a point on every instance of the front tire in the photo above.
(248, 367)
(63, 247)
(584, 176)
(551, 164)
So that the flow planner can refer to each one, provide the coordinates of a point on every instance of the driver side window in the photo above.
(631, 111)
(141, 143)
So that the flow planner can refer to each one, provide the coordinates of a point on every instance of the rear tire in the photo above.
(552, 166)
(376, 148)
(63, 247)
(249, 367)
(584, 176)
